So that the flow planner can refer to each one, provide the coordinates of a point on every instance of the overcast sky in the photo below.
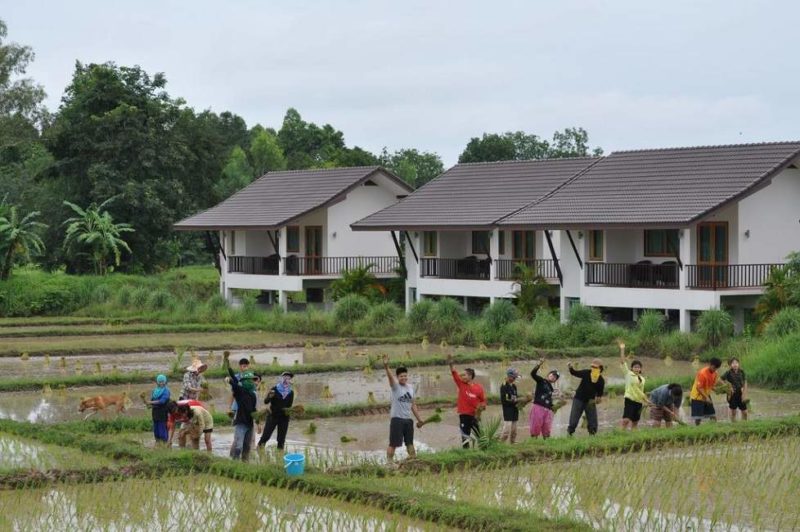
(430, 74)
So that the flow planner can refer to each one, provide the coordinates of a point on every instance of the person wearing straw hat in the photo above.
(588, 393)
(193, 380)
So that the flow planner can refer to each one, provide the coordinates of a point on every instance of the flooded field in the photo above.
(19, 453)
(720, 487)
(185, 503)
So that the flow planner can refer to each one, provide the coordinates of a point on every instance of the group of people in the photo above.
(192, 420)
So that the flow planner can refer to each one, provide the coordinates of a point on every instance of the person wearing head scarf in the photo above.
(587, 395)
(541, 416)
(244, 391)
(159, 398)
(279, 398)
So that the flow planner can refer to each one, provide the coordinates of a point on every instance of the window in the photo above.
(232, 247)
(523, 245)
(480, 242)
(293, 239)
(429, 243)
(501, 242)
(596, 245)
(660, 242)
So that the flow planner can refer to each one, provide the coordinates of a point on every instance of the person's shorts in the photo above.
(735, 402)
(632, 410)
(401, 431)
(208, 431)
(660, 413)
(702, 409)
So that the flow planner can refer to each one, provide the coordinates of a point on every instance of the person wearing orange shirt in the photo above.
(470, 403)
(703, 387)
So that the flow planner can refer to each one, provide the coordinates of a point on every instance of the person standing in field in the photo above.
(541, 416)
(470, 403)
(193, 380)
(279, 399)
(159, 401)
(737, 397)
(703, 387)
(635, 398)
(403, 406)
(587, 396)
(508, 401)
(665, 404)
(244, 391)
(244, 365)
(200, 422)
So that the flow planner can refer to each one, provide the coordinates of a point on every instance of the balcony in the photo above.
(311, 266)
(468, 268)
(727, 276)
(640, 275)
(507, 268)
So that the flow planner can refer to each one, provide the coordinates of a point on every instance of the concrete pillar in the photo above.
(283, 300)
(738, 320)
(494, 253)
(564, 311)
(492, 300)
(685, 320)
(466, 306)
(635, 314)
(282, 251)
(685, 246)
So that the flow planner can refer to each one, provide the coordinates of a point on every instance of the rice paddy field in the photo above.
(59, 471)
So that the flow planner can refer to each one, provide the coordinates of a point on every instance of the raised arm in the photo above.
(535, 371)
(453, 371)
(392, 381)
(580, 373)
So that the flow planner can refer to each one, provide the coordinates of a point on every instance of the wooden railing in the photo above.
(253, 265)
(335, 265)
(717, 277)
(632, 275)
(455, 268)
(506, 269)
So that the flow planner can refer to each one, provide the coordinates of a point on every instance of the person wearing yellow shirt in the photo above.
(635, 398)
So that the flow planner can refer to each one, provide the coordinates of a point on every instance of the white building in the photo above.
(290, 231)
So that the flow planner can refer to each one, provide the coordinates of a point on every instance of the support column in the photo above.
(494, 253)
(282, 251)
(492, 300)
(466, 305)
(685, 320)
(283, 300)
(738, 320)
(564, 311)
(686, 257)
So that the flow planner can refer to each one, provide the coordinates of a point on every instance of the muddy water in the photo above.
(19, 453)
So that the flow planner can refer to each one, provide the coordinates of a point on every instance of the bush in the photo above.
(101, 293)
(546, 330)
(350, 308)
(419, 315)
(383, 319)
(140, 297)
(515, 335)
(446, 318)
(715, 326)
(123, 298)
(775, 363)
(159, 300)
(648, 332)
(583, 315)
(680, 346)
(501, 313)
(785, 322)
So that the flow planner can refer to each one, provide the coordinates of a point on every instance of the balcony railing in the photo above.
(455, 268)
(506, 269)
(253, 265)
(632, 275)
(724, 276)
(335, 265)
(310, 265)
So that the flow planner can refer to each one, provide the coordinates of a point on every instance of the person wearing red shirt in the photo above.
(174, 417)
(470, 403)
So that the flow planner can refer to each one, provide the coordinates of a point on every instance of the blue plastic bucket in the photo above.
(294, 464)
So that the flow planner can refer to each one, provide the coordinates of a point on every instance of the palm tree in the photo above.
(18, 236)
(531, 289)
(94, 228)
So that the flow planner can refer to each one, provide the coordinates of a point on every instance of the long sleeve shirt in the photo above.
(245, 399)
(634, 385)
(587, 390)
(543, 396)
(277, 404)
(470, 396)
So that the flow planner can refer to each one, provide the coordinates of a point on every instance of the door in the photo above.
(523, 249)
(712, 254)
(313, 250)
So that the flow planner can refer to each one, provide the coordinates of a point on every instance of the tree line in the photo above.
(120, 140)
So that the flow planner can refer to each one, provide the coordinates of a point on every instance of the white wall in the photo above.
(256, 244)
(773, 217)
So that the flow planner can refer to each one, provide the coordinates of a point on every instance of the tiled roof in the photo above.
(658, 187)
(475, 194)
(278, 197)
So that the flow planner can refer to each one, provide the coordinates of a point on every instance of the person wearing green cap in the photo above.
(159, 398)
(244, 392)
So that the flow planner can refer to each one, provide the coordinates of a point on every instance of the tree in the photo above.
(519, 146)
(18, 238)
(781, 290)
(359, 281)
(266, 154)
(415, 167)
(19, 98)
(307, 145)
(531, 289)
(490, 147)
(94, 228)
(571, 142)
(236, 175)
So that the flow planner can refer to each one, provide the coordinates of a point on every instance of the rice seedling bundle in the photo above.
(434, 418)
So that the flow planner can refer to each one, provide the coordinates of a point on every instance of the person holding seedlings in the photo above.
(665, 403)
(587, 396)
(159, 399)
(541, 416)
(244, 365)
(278, 400)
(200, 422)
(737, 396)
(508, 401)
(244, 391)
(635, 398)
(193, 380)
(403, 406)
(704, 382)
(470, 403)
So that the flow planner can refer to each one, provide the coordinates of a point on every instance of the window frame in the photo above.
(430, 237)
(665, 252)
(594, 256)
(524, 256)
(289, 248)
(476, 235)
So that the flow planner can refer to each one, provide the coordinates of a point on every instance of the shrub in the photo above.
(775, 363)
(101, 293)
(124, 296)
(546, 330)
(139, 297)
(501, 313)
(648, 331)
(350, 308)
(359, 281)
(583, 315)
(680, 346)
(446, 318)
(715, 326)
(419, 315)
(515, 335)
(382, 319)
(785, 322)
(159, 300)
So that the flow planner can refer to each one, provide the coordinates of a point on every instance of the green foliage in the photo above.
(266, 153)
(19, 238)
(236, 174)
(786, 321)
(419, 315)
(775, 363)
(415, 167)
(359, 281)
(583, 315)
(489, 435)
(500, 314)
(159, 299)
(383, 319)
(649, 330)
(446, 317)
(518, 145)
(715, 326)
(681, 346)
(350, 308)
(94, 229)
(530, 289)
(781, 290)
